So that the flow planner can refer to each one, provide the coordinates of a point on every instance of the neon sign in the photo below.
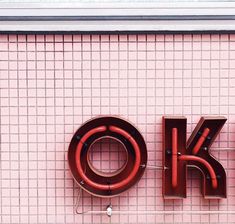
(178, 154)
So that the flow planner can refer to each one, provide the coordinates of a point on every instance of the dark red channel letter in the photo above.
(179, 154)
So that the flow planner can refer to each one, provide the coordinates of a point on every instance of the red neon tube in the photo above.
(201, 141)
(137, 157)
(78, 155)
(205, 163)
(174, 157)
(107, 186)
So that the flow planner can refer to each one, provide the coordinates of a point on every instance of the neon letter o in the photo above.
(94, 181)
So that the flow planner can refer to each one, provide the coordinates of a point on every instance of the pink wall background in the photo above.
(51, 84)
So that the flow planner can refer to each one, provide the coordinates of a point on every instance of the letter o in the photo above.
(91, 179)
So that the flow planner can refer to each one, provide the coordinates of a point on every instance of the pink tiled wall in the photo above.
(51, 84)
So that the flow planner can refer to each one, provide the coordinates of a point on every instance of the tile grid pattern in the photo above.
(51, 84)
